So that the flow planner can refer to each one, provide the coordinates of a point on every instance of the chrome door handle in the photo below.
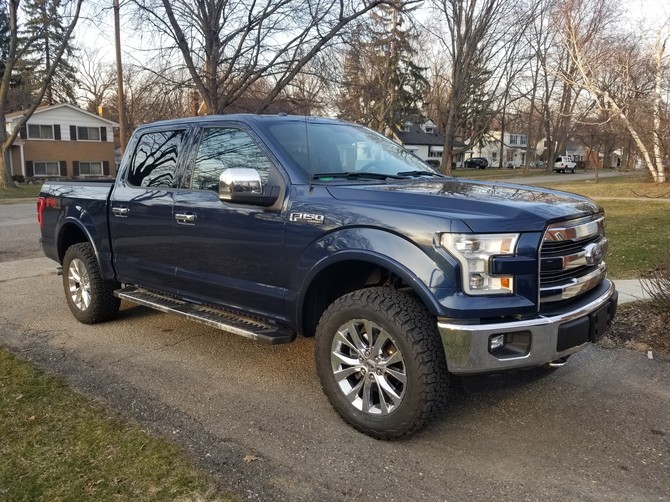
(186, 219)
(120, 211)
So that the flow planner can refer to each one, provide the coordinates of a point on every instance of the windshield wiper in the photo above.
(349, 175)
(417, 174)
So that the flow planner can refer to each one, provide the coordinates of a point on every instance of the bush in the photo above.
(19, 178)
(657, 286)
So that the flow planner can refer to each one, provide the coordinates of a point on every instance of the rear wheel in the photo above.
(381, 363)
(90, 298)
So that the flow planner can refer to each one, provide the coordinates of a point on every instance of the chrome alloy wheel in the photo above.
(79, 284)
(368, 367)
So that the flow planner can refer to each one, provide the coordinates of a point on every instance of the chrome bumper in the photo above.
(467, 346)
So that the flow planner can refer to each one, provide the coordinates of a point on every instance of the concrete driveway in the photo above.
(596, 429)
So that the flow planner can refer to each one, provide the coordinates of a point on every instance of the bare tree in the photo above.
(150, 95)
(226, 47)
(476, 37)
(18, 47)
(96, 78)
(594, 60)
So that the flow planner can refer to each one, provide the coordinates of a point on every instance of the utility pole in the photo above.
(119, 79)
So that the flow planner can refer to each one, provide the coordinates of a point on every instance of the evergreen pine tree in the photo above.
(45, 21)
(381, 86)
(4, 36)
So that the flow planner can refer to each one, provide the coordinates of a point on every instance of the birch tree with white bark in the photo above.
(596, 61)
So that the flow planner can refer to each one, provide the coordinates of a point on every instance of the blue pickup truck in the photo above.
(270, 227)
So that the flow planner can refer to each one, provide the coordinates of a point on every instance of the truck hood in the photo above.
(483, 206)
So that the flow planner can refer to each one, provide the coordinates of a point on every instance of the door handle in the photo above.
(122, 212)
(185, 219)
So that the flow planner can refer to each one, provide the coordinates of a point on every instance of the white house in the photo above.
(514, 149)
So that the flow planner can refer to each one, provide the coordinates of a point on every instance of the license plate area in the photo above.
(599, 323)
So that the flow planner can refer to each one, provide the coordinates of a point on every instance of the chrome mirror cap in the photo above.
(239, 180)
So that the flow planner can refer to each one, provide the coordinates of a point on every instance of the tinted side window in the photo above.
(154, 161)
(222, 148)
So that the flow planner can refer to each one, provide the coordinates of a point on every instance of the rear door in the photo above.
(230, 254)
(141, 216)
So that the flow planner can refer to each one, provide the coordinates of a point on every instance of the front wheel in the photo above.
(90, 298)
(381, 362)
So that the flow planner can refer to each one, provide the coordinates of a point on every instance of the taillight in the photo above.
(40, 210)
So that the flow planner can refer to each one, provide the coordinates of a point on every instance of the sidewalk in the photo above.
(630, 290)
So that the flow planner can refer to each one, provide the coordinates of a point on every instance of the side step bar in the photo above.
(217, 318)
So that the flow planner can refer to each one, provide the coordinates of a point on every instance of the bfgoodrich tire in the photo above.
(381, 362)
(90, 298)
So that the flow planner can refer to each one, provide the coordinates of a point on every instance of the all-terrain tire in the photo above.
(90, 297)
(395, 380)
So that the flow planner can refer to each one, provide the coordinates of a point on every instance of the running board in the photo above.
(217, 318)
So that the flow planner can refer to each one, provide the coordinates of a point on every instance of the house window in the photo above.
(513, 139)
(90, 168)
(435, 154)
(40, 131)
(523, 139)
(88, 133)
(46, 168)
(494, 156)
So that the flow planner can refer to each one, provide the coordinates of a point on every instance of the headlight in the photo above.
(474, 252)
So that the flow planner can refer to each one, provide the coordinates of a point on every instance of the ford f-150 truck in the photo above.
(272, 227)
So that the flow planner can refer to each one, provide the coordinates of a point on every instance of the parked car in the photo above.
(476, 163)
(565, 164)
(271, 227)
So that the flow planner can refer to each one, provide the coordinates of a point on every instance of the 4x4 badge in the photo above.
(316, 219)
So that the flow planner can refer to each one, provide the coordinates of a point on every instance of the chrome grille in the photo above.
(572, 258)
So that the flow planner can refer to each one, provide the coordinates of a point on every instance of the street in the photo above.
(596, 429)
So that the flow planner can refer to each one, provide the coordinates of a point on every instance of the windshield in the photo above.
(345, 151)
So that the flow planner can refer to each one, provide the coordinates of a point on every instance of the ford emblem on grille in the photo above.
(594, 253)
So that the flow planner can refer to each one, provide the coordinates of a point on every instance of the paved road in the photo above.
(597, 429)
(19, 232)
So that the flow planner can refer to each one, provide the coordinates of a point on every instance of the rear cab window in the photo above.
(155, 159)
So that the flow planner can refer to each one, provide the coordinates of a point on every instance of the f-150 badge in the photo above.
(315, 219)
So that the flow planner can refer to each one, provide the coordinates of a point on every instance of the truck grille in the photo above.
(572, 258)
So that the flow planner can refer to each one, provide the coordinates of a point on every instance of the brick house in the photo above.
(62, 140)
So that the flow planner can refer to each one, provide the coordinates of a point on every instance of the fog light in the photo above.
(510, 345)
(495, 342)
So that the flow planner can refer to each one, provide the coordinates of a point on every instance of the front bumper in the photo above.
(546, 338)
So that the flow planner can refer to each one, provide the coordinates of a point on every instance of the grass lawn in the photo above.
(620, 186)
(55, 445)
(638, 231)
(20, 192)
(495, 173)
(639, 236)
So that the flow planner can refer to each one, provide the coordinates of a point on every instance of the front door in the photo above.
(229, 254)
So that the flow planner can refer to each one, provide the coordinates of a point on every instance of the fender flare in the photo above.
(81, 219)
(379, 247)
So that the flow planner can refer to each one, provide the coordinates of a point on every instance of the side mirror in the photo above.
(244, 185)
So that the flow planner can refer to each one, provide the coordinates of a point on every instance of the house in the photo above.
(514, 147)
(573, 149)
(425, 142)
(62, 141)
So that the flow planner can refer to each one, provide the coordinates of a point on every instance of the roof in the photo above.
(48, 108)
(417, 136)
